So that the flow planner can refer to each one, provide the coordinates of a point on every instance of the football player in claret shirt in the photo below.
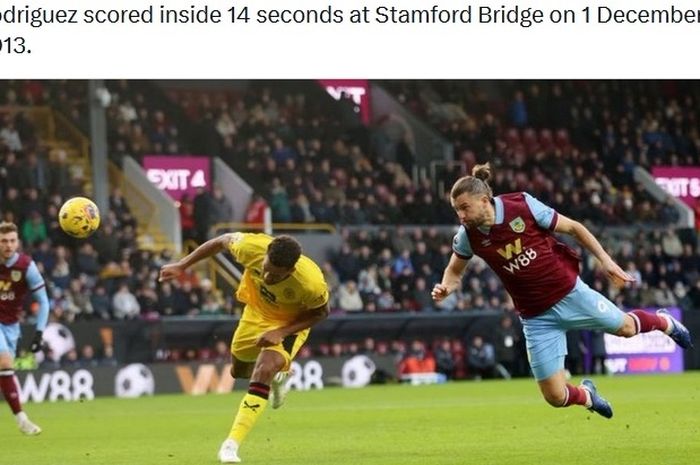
(284, 293)
(513, 233)
(19, 276)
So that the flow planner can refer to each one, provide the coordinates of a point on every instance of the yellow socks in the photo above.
(252, 406)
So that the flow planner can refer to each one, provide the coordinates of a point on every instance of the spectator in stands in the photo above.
(187, 299)
(187, 222)
(203, 214)
(346, 263)
(212, 303)
(34, 229)
(35, 172)
(87, 357)
(481, 360)
(420, 294)
(221, 208)
(9, 135)
(222, 352)
(663, 295)
(100, 302)
(106, 244)
(444, 359)
(694, 295)
(108, 358)
(147, 298)
(255, 214)
(417, 361)
(279, 202)
(506, 339)
(70, 359)
(671, 244)
(124, 304)
(300, 210)
(61, 273)
(369, 346)
(166, 299)
(77, 302)
(349, 299)
(86, 261)
(401, 263)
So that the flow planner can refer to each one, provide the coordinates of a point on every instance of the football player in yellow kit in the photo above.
(284, 293)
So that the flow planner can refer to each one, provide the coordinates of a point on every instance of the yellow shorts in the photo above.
(251, 328)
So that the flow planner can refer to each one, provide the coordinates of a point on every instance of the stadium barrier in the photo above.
(138, 379)
(139, 341)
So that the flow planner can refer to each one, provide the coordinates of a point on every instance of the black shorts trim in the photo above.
(288, 343)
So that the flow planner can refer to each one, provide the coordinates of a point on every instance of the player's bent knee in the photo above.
(628, 328)
(624, 332)
(554, 399)
(267, 367)
(265, 371)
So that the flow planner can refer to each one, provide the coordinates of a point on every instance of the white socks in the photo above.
(669, 327)
(20, 417)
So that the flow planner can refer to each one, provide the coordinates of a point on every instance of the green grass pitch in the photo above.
(657, 421)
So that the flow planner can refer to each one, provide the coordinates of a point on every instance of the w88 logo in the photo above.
(521, 260)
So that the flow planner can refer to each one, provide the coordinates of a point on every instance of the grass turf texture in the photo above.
(657, 421)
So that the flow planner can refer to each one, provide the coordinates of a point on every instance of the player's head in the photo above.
(281, 258)
(471, 196)
(9, 240)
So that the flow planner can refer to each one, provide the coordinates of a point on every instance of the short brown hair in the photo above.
(284, 251)
(7, 227)
(477, 183)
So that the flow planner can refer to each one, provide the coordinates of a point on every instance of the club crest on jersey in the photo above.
(288, 293)
(517, 225)
(15, 276)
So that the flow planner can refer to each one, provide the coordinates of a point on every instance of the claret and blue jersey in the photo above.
(541, 275)
(19, 276)
(535, 268)
(544, 215)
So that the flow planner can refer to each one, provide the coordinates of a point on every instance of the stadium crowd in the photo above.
(572, 144)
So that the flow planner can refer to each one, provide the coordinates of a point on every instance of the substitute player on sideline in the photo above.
(18, 277)
(513, 234)
(285, 294)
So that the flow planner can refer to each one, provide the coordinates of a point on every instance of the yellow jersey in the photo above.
(305, 289)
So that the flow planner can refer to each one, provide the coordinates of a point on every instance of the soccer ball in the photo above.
(79, 217)
(357, 372)
(134, 380)
(59, 340)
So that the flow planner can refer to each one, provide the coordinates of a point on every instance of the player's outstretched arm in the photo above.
(206, 250)
(584, 237)
(451, 279)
